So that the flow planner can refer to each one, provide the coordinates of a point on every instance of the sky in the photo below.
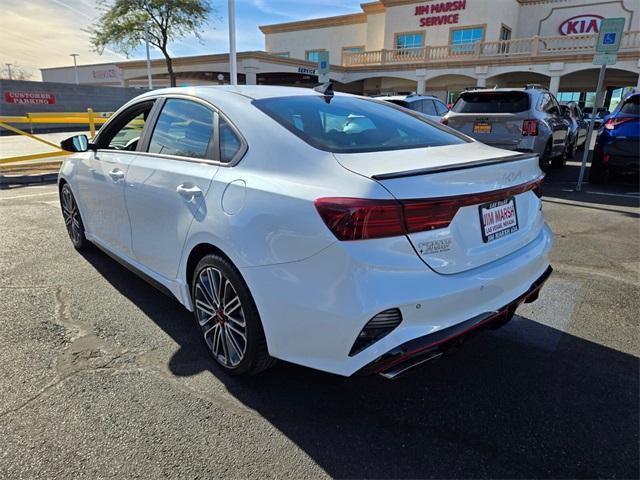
(42, 33)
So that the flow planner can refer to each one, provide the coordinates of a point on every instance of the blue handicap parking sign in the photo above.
(323, 64)
(609, 38)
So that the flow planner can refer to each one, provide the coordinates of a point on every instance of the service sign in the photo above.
(31, 98)
(581, 25)
(440, 13)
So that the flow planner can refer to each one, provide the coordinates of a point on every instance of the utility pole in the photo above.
(9, 70)
(233, 66)
(146, 41)
(75, 66)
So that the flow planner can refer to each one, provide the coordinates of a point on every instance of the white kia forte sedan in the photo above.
(328, 230)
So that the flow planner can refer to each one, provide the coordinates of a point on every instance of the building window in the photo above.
(462, 39)
(505, 36)
(313, 55)
(351, 50)
(407, 41)
(505, 33)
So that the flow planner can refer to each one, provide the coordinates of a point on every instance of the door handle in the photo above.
(116, 174)
(189, 192)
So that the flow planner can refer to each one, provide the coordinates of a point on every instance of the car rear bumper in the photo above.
(313, 310)
(421, 350)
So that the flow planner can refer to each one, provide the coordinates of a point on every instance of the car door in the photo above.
(168, 180)
(102, 189)
(559, 126)
(429, 109)
(582, 125)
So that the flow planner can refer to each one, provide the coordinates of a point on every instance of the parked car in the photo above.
(521, 119)
(577, 127)
(600, 114)
(292, 236)
(616, 149)
(427, 105)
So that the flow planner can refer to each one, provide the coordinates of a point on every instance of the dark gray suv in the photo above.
(523, 119)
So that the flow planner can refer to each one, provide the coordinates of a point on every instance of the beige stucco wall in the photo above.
(375, 31)
(331, 38)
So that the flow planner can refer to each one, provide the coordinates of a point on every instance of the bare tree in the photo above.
(14, 71)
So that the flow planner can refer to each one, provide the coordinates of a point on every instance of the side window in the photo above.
(546, 103)
(429, 108)
(124, 132)
(230, 144)
(184, 128)
(441, 108)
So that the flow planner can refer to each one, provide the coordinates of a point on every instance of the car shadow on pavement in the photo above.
(525, 401)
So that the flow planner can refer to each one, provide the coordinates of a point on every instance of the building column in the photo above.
(251, 78)
(124, 83)
(554, 84)
(421, 73)
(421, 86)
(638, 83)
(482, 81)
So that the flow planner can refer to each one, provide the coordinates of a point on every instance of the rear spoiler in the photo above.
(457, 166)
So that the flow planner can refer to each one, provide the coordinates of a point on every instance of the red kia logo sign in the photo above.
(581, 24)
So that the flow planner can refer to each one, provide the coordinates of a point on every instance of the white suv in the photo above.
(292, 234)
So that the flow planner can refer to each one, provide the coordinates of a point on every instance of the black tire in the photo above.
(72, 218)
(545, 158)
(598, 173)
(256, 356)
(561, 160)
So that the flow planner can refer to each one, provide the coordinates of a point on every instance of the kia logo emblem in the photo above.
(581, 24)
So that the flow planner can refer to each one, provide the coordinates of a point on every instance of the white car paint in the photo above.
(314, 293)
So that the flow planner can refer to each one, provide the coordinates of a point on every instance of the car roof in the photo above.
(406, 98)
(252, 92)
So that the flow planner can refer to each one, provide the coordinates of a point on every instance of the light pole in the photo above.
(9, 70)
(75, 65)
(233, 67)
(146, 41)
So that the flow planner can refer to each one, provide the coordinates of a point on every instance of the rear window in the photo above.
(631, 106)
(402, 103)
(351, 124)
(492, 102)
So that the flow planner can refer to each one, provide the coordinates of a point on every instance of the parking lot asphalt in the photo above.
(103, 376)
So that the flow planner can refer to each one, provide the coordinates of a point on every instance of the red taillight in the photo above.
(616, 121)
(530, 127)
(605, 158)
(361, 218)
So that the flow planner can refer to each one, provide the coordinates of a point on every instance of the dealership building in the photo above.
(431, 46)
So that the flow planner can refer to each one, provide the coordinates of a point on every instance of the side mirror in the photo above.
(77, 143)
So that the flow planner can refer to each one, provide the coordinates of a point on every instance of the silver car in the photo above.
(426, 105)
(521, 119)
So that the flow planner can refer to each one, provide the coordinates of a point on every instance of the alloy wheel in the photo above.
(221, 316)
(71, 216)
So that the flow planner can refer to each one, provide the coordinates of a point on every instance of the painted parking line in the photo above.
(29, 196)
(627, 195)
(609, 194)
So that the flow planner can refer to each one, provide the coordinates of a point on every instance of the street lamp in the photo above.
(233, 68)
(146, 41)
(75, 65)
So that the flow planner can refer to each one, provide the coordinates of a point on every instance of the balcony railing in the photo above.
(519, 47)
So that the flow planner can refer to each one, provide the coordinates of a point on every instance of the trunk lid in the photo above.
(497, 129)
(474, 174)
